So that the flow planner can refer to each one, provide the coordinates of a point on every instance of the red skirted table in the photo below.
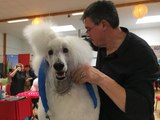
(34, 95)
(16, 109)
(30, 94)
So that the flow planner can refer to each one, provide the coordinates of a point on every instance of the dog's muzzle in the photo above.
(63, 83)
(60, 73)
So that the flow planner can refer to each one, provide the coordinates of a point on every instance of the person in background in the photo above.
(1, 75)
(8, 75)
(125, 69)
(30, 75)
(157, 82)
(18, 79)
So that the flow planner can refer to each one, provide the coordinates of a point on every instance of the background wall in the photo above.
(13, 46)
(17, 46)
(151, 35)
(1, 47)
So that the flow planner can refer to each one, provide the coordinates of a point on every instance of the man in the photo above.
(126, 66)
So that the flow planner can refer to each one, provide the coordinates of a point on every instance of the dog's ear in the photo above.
(79, 47)
(39, 37)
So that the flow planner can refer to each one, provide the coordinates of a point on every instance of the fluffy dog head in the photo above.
(62, 53)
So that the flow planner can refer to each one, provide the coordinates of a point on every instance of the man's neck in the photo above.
(117, 39)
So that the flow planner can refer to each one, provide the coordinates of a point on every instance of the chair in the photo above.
(157, 99)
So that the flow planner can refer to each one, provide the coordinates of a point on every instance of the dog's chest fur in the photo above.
(75, 105)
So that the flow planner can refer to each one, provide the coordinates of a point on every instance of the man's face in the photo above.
(95, 32)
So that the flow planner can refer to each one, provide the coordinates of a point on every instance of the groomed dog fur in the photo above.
(66, 100)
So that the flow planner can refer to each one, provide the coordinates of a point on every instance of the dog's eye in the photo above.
(50, 52)
(65, 50)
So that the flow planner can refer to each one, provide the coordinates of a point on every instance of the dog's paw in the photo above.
(49, 113)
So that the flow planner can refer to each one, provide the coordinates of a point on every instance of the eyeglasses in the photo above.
(90, 29)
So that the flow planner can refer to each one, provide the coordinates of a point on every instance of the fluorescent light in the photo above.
(63, 28)
(18, 20)
(148, 19)
(78, 13)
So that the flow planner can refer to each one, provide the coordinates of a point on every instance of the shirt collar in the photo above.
(122, 47)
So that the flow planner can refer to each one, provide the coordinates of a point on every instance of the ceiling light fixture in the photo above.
(18, 20)
(77, 13)
(63, 28)
(140, 11)
(37, 21)
(148, 19)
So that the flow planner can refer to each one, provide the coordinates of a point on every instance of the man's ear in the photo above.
(105, 24)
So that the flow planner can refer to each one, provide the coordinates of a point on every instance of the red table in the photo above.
(15, 110)
(30, 94)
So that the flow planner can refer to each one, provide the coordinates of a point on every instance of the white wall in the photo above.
(26, 47)
(151, 35)
(13, 46)
(17, 46)
(1, 47)
(1, 43)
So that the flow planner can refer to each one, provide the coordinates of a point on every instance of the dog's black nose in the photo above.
(58, 66)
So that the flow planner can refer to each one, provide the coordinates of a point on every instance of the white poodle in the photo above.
(65, 100)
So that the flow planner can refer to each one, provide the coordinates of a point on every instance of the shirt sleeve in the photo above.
(140, 95)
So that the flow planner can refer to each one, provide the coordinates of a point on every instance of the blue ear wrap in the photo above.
(91, 93)
(42, 91)
(41, 83)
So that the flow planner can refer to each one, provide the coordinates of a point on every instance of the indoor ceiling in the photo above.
(59, 11)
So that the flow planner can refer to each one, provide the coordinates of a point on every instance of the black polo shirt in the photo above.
(132, 66)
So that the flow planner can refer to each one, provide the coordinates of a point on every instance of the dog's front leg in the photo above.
(41, 112)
